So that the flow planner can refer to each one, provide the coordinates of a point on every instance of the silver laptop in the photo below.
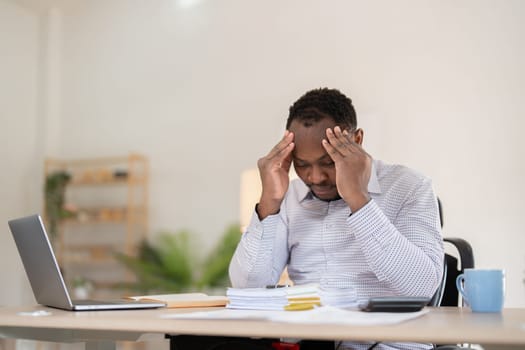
(44, 274)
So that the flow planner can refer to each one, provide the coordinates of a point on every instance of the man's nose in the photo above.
(316, 175)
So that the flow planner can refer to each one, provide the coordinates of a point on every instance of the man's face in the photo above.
(312, 163)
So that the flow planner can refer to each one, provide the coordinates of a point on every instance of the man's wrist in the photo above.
(358, 202)
(264, 211)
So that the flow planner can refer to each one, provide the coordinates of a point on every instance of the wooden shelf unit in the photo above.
(108, 199)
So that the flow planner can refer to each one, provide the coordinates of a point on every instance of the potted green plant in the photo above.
(163, 265)
(215, 267)
(167, 265)
(54, 193)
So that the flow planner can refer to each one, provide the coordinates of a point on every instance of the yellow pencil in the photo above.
(301, 306)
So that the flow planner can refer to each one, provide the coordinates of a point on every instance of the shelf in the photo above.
(77, 222)
(89, 253)
(89, 261)
(109, 182)
(101, 215)
(111, 191)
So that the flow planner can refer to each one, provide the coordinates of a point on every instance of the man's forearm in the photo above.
(257, 258)
(409, 268)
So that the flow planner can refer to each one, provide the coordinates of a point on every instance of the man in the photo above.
(349, 221)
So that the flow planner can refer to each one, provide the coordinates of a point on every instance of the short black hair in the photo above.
(322, 103)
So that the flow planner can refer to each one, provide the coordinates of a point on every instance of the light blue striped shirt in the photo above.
(391, 246)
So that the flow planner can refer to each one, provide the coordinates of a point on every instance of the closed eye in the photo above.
(300, 164)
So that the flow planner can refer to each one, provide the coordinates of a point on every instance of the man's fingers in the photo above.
(347, 137)
(342, 142)
(286, 161)
(282, 145)
(284, 157)
(336, 141)
(334, 153)
(341, 135)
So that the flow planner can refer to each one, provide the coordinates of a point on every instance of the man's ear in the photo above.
(358, 136)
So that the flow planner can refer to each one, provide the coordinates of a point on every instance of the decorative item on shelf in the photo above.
(54, 193)
(98, 252)
(82, 288)
(85, 176)
(102, 175)
(118, 214)
(120, 174)
(104, 214)
(83, 216)
(110, 214)
(94, 176)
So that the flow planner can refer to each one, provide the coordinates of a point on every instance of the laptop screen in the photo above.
(39, 262)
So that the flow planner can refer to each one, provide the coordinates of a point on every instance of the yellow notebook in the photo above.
(185, 299)
(306, 302)
(302, 306)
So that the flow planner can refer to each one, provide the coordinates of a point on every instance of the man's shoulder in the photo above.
(397, 173)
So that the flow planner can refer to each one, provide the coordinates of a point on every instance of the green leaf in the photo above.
(215, 273)
(161, 266)
(167, 264)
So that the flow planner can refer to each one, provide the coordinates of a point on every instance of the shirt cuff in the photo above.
(257, 227)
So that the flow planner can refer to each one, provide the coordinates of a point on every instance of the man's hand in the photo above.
(352, 166)
(274, 168)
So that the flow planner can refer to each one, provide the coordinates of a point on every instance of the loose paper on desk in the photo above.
(299, 297)
(185, 299)
(318, 315)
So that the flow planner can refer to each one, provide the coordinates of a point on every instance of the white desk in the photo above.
(100, 329)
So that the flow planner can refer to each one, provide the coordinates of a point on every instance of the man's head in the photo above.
(308, 119)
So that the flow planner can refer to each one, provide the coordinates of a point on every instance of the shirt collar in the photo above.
(373, 185)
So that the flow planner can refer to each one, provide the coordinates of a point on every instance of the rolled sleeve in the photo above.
(261, 254)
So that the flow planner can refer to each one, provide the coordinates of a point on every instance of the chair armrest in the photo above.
(465, 251)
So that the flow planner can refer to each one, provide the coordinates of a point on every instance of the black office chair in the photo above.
(447, 293)
(455, 267)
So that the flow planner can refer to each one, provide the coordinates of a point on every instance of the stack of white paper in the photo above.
(341, 298)
(300, 297)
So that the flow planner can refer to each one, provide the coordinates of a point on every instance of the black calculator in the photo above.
(394, 304)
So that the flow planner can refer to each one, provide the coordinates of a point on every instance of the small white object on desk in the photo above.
(36, 313)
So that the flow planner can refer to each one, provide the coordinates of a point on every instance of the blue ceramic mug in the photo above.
(483, 290)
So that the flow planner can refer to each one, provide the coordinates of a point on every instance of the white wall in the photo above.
(204, 91)
(19, 156)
